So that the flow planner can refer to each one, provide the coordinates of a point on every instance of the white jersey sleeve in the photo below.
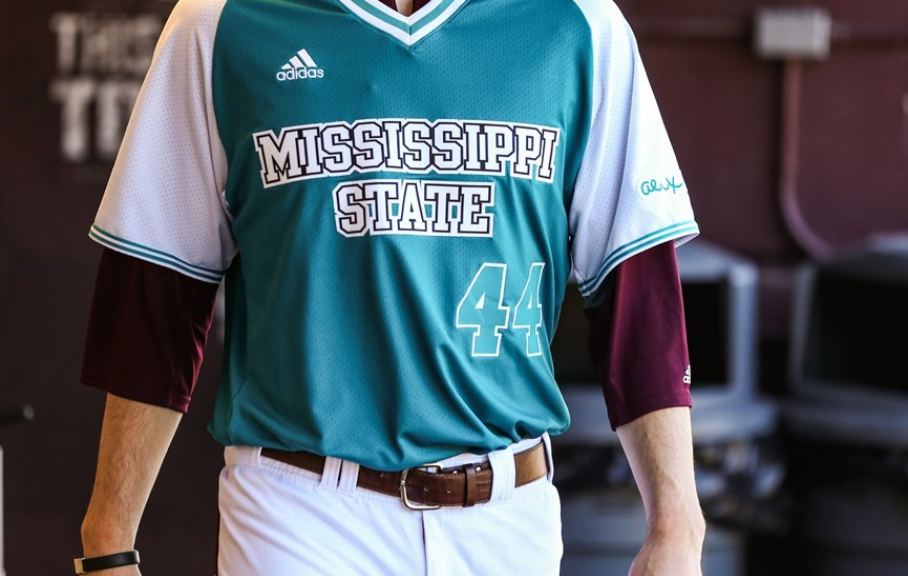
(629, 194)
(165, 200)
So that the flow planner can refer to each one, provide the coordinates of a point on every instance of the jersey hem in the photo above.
(129, 248)
(680, 233)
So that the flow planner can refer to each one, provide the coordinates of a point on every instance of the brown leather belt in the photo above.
(424, 490)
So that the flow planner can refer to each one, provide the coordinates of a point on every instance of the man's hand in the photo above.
(134, 440)
(659, 448)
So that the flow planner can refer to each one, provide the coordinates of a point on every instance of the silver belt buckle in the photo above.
(403, 489)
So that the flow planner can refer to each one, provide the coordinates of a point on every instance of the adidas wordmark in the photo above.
(300, 67)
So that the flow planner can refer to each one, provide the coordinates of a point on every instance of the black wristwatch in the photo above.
(86, 565)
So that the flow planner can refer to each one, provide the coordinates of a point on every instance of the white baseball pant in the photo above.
(280, 520)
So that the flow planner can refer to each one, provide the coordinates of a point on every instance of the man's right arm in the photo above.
(147, 329)
(134, 440)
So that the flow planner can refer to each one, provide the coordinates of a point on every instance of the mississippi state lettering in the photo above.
(411, 146)
(414, 207)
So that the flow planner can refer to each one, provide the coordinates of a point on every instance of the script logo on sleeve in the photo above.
(410, 146)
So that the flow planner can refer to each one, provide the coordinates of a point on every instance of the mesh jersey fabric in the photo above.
(396, 204)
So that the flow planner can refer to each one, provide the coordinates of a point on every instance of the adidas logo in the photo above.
(687, 379)
(300, 67)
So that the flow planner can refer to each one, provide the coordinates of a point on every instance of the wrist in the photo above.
(107, 562)
(101, 539)
(679, 518)
(678, 525)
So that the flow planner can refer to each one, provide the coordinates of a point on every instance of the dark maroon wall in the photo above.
(722, 105)
(47, 266)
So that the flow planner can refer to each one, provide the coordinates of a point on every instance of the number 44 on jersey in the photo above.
(482, 310)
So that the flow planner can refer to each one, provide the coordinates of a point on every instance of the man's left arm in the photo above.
(638, 345)
(660, 451)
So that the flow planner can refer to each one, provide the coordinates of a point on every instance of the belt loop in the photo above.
(349, 474)
(331, 474)
(547, 440)
(503, 475)
(242, 456)
(470, 497)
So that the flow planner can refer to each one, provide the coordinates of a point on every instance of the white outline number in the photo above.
(528, 311)
(478, 311)
(482, 310)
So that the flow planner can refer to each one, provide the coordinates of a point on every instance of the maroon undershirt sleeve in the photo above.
(146, 332)
(638, 341)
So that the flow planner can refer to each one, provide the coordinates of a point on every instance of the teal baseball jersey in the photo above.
(396, 205)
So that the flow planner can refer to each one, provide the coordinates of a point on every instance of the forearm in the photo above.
(134, 440)
(659, 447)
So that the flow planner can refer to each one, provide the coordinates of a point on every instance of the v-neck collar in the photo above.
(417, 5)
(408, 29)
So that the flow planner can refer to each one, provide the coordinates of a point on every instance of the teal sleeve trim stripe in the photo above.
(146, 253)
(639, 245)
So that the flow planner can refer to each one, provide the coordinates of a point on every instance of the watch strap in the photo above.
(86, 565)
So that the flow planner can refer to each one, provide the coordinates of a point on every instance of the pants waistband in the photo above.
(462, 480)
